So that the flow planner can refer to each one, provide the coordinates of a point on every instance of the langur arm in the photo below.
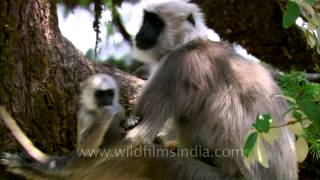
(154, 114)
(92, 137)
(155, 106)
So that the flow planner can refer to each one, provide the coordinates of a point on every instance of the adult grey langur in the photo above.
(213, 94)
(99, 102)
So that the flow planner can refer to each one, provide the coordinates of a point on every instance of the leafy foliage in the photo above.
(295, 85)
(306, 97)
(261, 131)
(263, 123)
(303, 97)
(305, 107)
(250, 143)
(313, 139)
(291, 14)
(305, 9)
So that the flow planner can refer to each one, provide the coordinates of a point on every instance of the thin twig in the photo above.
(283, 125)
(116, 18)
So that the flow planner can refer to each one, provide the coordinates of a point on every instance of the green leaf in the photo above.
(297, 115)
(249, 144)
(311, 109)
(314, 89)
(290, 14)
(263, 123)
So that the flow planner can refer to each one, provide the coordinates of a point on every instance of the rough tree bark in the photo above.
(39, 75)
(257, 26)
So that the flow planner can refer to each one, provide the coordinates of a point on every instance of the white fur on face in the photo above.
(178, 30)
(143, 56)
(93, 83)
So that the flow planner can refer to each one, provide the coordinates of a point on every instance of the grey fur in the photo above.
(93, 121)
(214, 103)
(214, 97)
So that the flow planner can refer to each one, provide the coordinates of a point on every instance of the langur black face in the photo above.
(104, 97)
(150, 31)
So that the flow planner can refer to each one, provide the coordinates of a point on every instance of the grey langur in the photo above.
(212, 94)
(99, 102)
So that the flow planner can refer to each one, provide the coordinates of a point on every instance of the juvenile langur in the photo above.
(213, 94)
(150, 162)
(99, 102)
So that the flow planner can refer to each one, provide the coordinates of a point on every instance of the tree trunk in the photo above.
(39, 75)
(257, 26)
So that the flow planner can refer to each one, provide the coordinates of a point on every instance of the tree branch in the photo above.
(118, 22)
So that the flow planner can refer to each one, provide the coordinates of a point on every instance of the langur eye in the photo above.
(158, 23)
(110, 93)
(104, 97)
(191, 19)
(104, 93)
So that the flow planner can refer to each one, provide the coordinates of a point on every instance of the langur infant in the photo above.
(99, 103)
(121, 160)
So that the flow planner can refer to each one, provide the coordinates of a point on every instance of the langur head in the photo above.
(100, 91)
(167, 25)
